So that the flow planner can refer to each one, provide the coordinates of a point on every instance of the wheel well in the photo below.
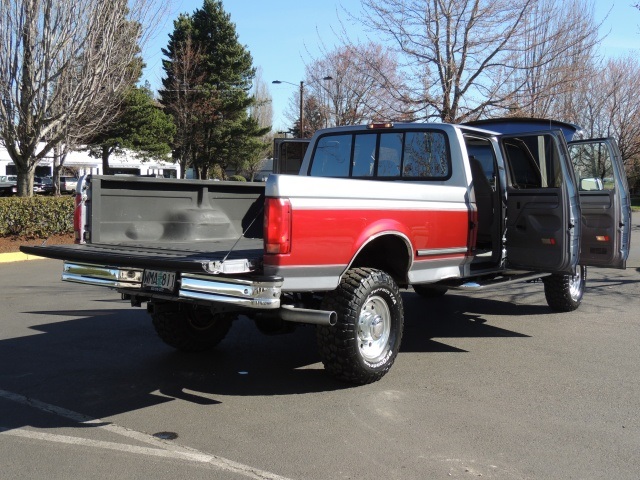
(388, 253)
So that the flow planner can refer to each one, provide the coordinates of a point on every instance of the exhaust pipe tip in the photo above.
(289, 313)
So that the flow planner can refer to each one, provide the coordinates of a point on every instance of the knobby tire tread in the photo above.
(337, 345)
(557, 292)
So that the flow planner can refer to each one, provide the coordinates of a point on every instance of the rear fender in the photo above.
(378, 248)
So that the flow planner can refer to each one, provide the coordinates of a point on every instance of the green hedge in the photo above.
(36, 217)
(237, 178)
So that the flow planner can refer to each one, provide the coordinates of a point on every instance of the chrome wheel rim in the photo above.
(575, 284)
(374, 328)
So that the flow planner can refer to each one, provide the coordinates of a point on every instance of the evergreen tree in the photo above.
(206, 88)
(141, 126)
(247, 147)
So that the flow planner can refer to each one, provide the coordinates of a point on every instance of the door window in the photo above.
(593, 165)
(483, 151)
(534, 162)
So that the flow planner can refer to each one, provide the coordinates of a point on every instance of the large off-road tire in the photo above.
(564, 292)
(430, 291)
(190, 328)
(365, 341)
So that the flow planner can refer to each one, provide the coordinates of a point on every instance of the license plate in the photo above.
(159, 281)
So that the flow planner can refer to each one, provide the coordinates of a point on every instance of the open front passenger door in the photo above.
(605, 202)
(542, 224)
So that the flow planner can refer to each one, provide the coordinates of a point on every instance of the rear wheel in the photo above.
(364, 343)
(190, 328)
(564, 292)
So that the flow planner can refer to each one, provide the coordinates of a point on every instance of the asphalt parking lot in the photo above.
(490, 385)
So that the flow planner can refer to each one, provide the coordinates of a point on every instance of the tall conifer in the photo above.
(208, 79)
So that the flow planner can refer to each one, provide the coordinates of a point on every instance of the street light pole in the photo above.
(327, 79)
(301, 109)
(278, 82)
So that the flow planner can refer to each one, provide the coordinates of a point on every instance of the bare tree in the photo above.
(461, 58)
(348, 86)
(352, 80)
(557, 51)
(63, 65)
(186, 101)
(608, 104)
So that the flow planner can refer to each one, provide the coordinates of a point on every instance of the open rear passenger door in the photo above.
(543, 212)
(604, 201)
(288, 154)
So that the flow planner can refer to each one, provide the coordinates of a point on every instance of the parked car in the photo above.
(38, 184)
(43, 185)
(68, 184)
(8, 185)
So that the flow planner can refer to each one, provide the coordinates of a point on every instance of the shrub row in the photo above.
(237, 178)
(36, 217)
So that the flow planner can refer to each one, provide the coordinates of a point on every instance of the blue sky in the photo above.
(284, 34)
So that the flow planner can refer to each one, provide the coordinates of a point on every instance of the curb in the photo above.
(17, 257)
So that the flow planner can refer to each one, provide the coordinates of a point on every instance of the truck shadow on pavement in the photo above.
(107, 361)
(455, 316)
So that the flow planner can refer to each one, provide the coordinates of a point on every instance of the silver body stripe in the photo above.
(441, 251)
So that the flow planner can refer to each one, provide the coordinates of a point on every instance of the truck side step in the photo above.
(494, 282)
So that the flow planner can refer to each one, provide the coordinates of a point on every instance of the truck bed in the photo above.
(169, 224)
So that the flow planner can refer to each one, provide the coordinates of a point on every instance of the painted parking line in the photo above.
(17, 257)
(162, 448)
(85, 442)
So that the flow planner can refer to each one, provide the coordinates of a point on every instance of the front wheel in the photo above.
(564, 292)
(364, 343)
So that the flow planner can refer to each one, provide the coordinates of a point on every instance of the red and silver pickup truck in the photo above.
(374, 209)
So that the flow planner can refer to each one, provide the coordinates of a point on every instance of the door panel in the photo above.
(605, 203)
(542, 231)
(537, 231)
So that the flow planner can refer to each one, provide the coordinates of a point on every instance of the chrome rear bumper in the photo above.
(261, 294)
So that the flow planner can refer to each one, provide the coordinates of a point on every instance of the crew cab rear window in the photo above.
(384, 155)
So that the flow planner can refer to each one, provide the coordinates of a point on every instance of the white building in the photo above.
(82, 163)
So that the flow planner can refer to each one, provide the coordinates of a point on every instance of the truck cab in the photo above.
(536, 206)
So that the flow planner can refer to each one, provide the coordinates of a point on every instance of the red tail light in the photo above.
(277, 225)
